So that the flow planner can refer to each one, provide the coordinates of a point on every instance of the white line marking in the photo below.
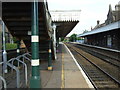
(83, 73)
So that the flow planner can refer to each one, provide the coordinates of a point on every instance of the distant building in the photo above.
(80, 39)
(98, 25)
(106, 34)
(66, 39)
(112, 16)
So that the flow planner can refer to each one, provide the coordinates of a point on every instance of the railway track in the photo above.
(107, 58)
(99, 77)
(115, 63)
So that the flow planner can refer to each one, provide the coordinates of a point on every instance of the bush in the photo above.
(11, 46)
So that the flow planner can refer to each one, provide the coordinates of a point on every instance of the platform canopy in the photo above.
(65, 20)
(109, 27)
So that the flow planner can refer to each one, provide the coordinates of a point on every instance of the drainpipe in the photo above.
(35, 77)
(50, 57)
(4, 49)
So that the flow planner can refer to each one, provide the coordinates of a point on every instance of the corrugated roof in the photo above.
(108, 27)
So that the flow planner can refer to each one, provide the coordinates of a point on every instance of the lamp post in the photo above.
(35, 78)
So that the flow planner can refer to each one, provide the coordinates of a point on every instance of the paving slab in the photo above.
(65, 74)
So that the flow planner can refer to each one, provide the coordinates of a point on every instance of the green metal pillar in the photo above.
(18, 47)
(57, 44)
(35, 77)
(50, 57)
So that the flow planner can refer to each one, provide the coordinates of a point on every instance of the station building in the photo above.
(106, 34)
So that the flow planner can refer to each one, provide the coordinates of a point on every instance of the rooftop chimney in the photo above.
(98, 22)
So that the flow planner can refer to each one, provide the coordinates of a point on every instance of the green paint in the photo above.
(50, 57)
(35, 81)
(18, 47)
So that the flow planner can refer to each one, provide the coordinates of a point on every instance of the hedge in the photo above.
(11, 46)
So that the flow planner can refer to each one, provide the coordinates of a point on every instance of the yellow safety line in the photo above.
(62, 75)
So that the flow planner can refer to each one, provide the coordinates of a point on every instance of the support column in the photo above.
(54, 42)
(57, 44)
(50, 57)
(35, 77)
(57, 41)
(18, 47)
(18, 50)
(54, 28)
(4, 49)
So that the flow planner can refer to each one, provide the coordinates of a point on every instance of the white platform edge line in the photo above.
(83, 73)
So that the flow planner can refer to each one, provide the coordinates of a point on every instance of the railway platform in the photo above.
(66, 72)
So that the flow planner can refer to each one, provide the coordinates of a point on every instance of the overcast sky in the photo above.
(91, 11)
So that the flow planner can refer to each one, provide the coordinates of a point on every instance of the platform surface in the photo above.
(65, 73)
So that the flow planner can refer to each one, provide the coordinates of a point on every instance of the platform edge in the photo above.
(81, 70)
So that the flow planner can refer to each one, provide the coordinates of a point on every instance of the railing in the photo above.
(4, 81)
(18, 59)
(10, 63)
(13, 52)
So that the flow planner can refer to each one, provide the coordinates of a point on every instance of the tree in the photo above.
(73, 37)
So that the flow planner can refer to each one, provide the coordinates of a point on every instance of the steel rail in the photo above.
(100, 68)
(115, 80)
(94, 85)
(91, 52)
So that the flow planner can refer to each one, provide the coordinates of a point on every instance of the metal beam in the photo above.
(24, 33)
(22, 23)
